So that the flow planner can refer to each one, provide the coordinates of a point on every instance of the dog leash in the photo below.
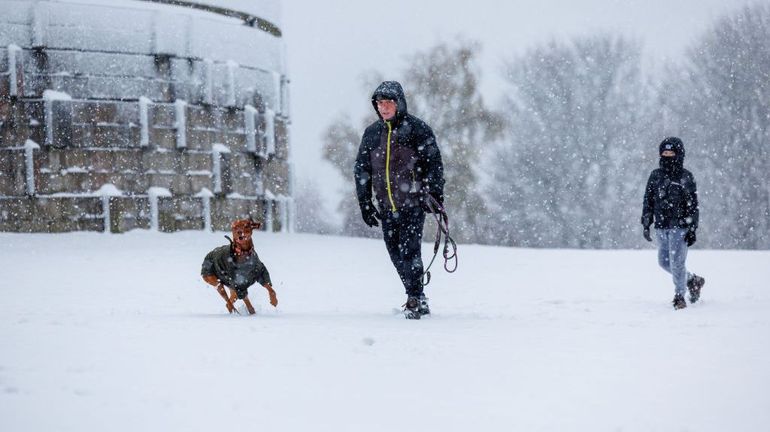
(442, 230)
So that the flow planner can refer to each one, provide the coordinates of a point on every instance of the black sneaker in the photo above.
(679, 302)
(412, 308)
(423, 307)
(694, 284)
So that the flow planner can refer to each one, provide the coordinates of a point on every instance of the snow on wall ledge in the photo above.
(139, 27)
(268, 10)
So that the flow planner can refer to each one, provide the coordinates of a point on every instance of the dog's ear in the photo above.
(254, 225)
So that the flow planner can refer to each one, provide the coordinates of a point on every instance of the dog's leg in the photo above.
(271, 293)
(214, 281)
(233, 298)
(228, 302)
(249, 306)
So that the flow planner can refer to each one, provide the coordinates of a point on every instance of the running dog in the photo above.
(237, 267)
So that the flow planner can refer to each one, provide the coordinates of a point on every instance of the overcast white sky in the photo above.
(331, 43)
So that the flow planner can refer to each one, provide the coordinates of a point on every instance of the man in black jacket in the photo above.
(671, 199)
(400, 161)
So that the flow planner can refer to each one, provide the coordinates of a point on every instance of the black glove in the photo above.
(369, 214)
(690, 238)
(425, 199)
(646, 234)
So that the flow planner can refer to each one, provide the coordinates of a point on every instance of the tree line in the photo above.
(562, 160)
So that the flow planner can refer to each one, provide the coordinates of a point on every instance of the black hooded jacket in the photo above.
(671, 197)
(398, 159)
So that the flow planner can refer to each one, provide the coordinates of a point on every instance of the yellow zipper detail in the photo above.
(387, 168)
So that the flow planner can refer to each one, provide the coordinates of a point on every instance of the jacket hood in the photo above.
(391, 90)
(674, 144)
(676, 164)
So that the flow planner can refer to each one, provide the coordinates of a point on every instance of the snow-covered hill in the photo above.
(118, 333)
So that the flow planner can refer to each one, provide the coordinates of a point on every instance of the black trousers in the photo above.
(402, 231)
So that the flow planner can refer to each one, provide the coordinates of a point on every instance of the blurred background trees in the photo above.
(562, 161)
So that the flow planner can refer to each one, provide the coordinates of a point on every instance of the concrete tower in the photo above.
(122, 114)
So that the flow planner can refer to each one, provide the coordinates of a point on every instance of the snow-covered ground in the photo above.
(118, 333)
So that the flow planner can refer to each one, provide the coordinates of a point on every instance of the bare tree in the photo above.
(442, 86)
(311, 216)
(568, 173)
(341, 141)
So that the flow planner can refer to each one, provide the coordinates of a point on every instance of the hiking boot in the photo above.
(412, 308)
(694, 284)
(423, 307)
(679, 302)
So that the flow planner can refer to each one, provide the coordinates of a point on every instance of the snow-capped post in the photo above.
(205, 195)
(249, 117)
(284, 96)
(181, 123)
(48, 115)
(292, 204)
(217, 150)
(208, 81)
(29, 149)
(230, 83)
(107, 191)
(269, 199)
(259, 182)
(269, 132)
(144, 121)
(290, 214)
(154, 194)
(16, 70)
(52, 101)
(283, 210)
(277, 90)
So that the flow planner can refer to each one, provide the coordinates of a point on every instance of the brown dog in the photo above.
(237, 267)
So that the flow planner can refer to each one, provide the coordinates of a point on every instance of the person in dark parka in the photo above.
(399, 160)
(671, 201)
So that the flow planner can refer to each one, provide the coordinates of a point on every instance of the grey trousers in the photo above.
(672, 254)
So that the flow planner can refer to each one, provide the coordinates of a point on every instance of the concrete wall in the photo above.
(90, 126)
